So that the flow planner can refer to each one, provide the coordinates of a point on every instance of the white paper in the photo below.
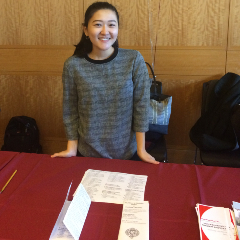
(135, 221)
(114, 187)
(60, 231)
(236, 209)
(77, 212)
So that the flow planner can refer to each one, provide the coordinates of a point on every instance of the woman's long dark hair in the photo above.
(85, 45)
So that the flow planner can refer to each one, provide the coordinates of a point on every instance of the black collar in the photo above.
(102, 61)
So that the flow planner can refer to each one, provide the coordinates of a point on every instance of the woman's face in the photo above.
(102, 29)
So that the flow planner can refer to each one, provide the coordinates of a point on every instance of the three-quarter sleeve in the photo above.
(141, 95)
(70, 103)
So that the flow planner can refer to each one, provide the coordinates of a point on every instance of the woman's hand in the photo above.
(65, 153)
(141, 151)
(70, 152)
(146, 157)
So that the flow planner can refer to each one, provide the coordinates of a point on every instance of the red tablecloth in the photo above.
(31, 203)
(5, 158)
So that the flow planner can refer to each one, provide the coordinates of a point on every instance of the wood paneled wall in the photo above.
(193, 41)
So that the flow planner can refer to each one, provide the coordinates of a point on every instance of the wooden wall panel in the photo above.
(192, 23)
(34, 22)
(234, 26)
(37, 96)
(34, 59)
(37, 22)
(9, 22)
(65, 18)
(233, 62)
(190, 62)
(233, 53)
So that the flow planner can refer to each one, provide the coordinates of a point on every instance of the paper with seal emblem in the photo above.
(135, 221)
(114, 187)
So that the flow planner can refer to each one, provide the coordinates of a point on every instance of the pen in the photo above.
(8, 181)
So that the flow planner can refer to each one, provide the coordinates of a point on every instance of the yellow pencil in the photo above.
(8, 181)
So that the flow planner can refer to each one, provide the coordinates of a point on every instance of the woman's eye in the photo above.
(97, 25)
(112, 25)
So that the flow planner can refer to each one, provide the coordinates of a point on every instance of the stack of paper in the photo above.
(216, 223)
(236, 209)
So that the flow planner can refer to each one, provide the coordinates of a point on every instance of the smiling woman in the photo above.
(106, 93)
(103, 31)
(102, 16)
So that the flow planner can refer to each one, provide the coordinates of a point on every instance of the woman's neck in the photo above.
(101, 55)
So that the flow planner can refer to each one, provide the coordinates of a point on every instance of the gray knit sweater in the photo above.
(105, 102)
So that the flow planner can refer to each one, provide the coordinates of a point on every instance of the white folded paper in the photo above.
(77, 212)
(135, 221)
(72, 216)
(60, 231)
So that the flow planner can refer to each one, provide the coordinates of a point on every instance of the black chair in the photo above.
(221, 158)
(218, 157)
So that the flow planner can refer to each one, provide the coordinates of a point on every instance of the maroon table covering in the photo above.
(6, 157)
(31, 203)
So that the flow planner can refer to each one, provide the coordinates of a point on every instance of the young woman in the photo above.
(105, 93)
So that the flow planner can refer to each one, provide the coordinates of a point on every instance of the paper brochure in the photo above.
(135, 221)
(216, 223)
(114, 187)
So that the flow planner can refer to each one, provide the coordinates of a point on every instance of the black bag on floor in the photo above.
(22, 135)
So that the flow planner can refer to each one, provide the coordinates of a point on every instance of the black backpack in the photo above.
(22, 135)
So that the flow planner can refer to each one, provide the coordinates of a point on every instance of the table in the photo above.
(31, 203)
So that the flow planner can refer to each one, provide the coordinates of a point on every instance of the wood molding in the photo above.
(190, 62)
(174, 62)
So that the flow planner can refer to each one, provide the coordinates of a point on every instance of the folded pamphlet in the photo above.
(216, 223)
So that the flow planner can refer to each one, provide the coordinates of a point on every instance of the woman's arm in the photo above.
(71, 150)
(70, 111)
(141, 151)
